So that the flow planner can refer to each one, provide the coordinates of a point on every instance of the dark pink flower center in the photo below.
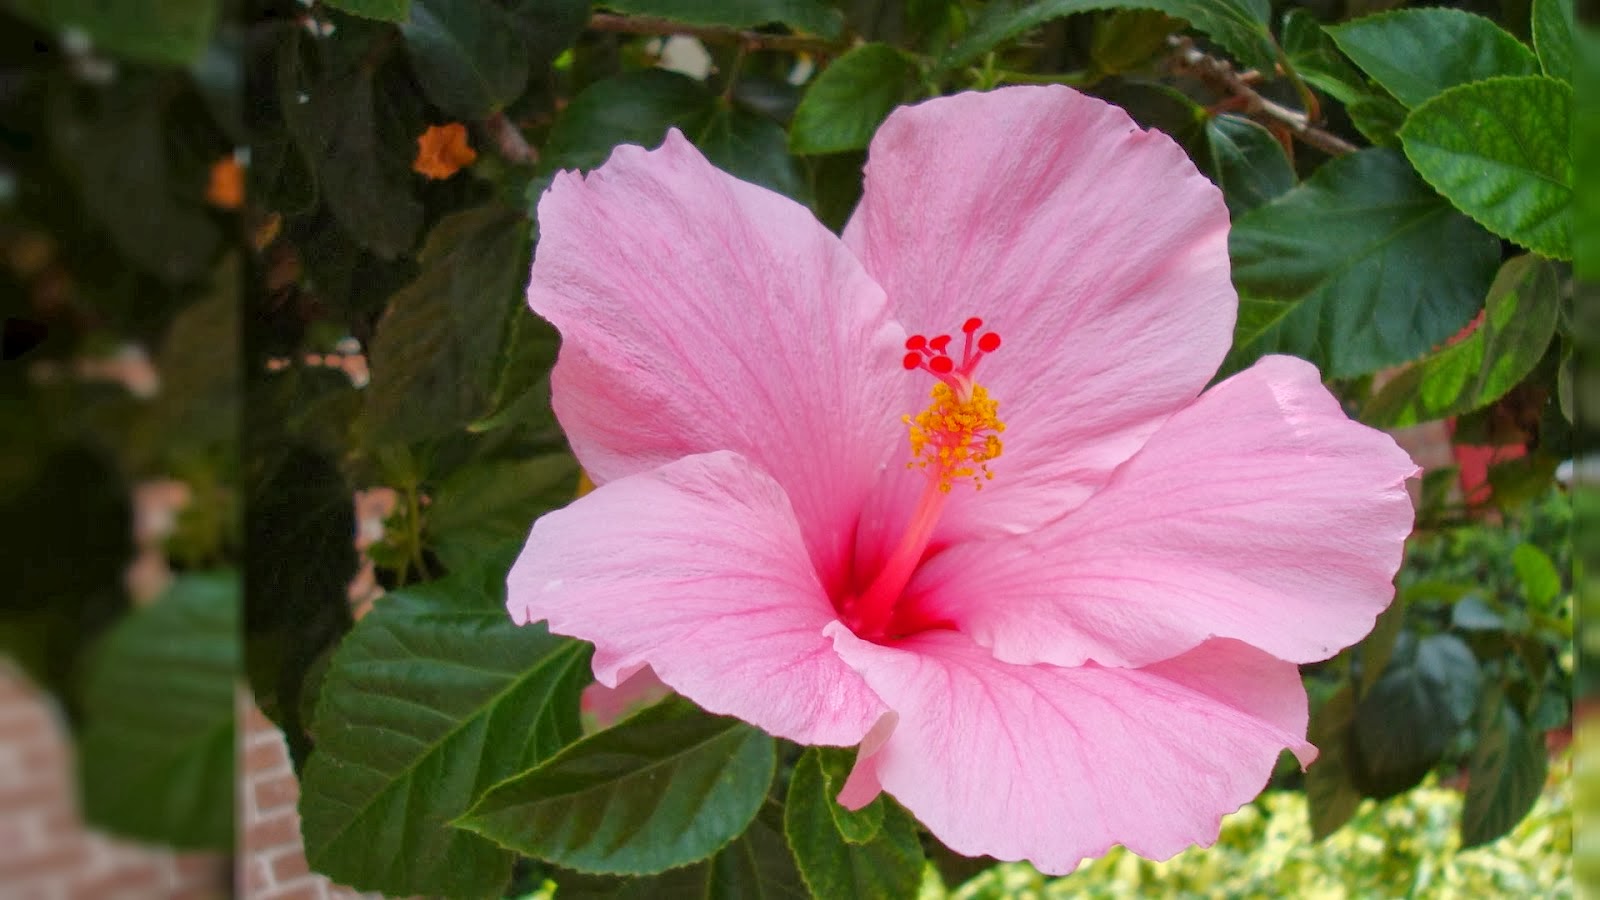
(952, 440)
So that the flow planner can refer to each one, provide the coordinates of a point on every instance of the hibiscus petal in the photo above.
(1095, 249)
(1260, 513)
(698, 570)
(701, 313)
(1053, 765)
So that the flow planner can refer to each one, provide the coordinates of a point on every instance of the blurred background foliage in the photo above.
(261, 267)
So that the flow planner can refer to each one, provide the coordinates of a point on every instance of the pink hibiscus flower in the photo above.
(1060, 603)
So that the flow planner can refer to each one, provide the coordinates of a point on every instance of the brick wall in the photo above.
(272, 859)
(46, 852)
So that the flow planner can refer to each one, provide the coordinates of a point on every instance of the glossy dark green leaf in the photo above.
(299, 523)
(1552, 37)
(1538, 576)
(1471, 613)
(156, 752)
(889, 864)
(165, 32)
(1407, 719)
(1129, 39)
(853, 95)
(1247, 162)
(1519, 320)
(1238, 25)
(492, 504)
(667, 787)
(857, 826)
(1331, 793)
(356, 143)
(1360, 267)
(751, 147)
(1500, 151)
(804, 15)
(1377, 648)
(1316, 57)
(639, 107)
(384, 10)
(756, 866)
(434, 359)
(467, 54)
(159, 220)
(1416, 53)
(432, 698)
(1505, 775)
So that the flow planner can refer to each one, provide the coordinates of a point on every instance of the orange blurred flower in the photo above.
(443, 150)
(226, 190)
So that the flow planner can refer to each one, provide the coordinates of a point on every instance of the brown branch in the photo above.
(716, 34)
(1220, 75)
(508, 139)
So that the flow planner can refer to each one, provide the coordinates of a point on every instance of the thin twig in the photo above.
(716, 34)
(1221, 76)
(508, 139)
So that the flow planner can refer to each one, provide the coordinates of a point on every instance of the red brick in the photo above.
(305, 889)
(271, 833)
(276, 792)
(147, 879)
(289, 864)
(255, 876)
(266, 756)
(198, 865)
(59, 859)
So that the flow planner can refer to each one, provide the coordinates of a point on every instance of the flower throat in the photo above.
(952, 441)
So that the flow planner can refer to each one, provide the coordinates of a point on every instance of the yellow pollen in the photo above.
(956, 436)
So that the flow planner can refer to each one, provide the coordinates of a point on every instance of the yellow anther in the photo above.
(957, 434)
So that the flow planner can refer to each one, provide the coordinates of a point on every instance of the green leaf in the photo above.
(632, 108)
(493, 504)
(1248, 163)
(1540, 580)
(435, 356)
(1331, 793)
(756, 866)
(1129, 39)
(1316, 57)
(846, 103)
(1238, 25)
(1505, 776)
(667, 787)
(1360, 267)
(156, 751)
(159, 220)
(887, 865)
(165, 32)
(803, 15)
(467, 54)
(299, 530)
(858, 826)
(1417, 53)
(383, 10)
(639, 107)
(1519, 320)
(1553, 37)
(1377, 648)
(1406, 721)
(1499, 150)
(751, 147)
(1471, 613)
(355, 140)
(433, 698)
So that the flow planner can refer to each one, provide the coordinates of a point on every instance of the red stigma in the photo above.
(932, 355)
